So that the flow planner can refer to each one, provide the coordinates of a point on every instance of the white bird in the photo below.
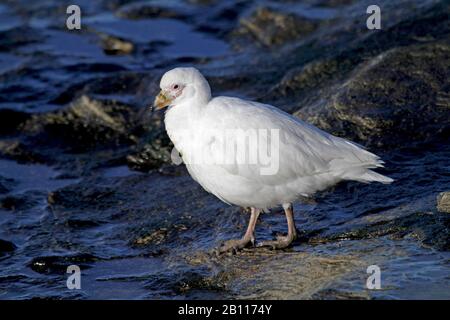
(205, 130)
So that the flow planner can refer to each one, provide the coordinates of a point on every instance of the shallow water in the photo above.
(150, 235)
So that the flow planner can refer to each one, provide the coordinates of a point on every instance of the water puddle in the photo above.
(179, 38)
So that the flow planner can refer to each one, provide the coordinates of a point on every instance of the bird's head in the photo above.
(180, 85)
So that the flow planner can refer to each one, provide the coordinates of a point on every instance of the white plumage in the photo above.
(310, 159)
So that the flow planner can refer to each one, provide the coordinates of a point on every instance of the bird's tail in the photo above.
(357, 164)
(372, 176)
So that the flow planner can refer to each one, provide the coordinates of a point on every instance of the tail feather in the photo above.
(357, 163)
(372, 176)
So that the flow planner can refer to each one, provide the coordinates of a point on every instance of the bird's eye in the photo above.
(176, 86)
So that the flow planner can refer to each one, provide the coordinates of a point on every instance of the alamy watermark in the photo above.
(74, 20)
(257, 148)
(74, 280)
(374, 280)
(373, 22)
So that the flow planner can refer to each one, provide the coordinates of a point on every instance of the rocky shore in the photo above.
(86, 175)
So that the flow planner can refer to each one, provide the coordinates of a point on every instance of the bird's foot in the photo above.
(282, 242)
(234, 245)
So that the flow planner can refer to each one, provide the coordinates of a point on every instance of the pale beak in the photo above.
(162, 100)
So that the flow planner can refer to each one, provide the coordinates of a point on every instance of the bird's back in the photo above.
(309, 159)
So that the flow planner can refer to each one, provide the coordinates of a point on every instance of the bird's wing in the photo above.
(303, 149)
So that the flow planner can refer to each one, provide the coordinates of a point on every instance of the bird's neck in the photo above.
(202, 94)
(181, 121)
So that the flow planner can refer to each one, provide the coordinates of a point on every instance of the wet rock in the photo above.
(149, 210)
(332, 294)
(116, 84)
(334, 3)
(271, 27)
(20, 36)
(443, 202)
(59, 264)
(116, 46)
(144, 10)
(6, 184)
(260, 274)
(20, 202)
(151, 156)
(431, 230)
(387, 102)
(81, 224)
(219, 19)
(84, 196)
(6, 248)
(302, 85)
(10, 120)
(325, 77)
(85, 125)
(195, 281)
(10, 203)
(403, 29)
(155, 237)
(95, 68)
(16, 150)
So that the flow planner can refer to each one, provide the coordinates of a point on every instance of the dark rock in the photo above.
(18, 151)
(85, 125)
(155, 237)
(95, 67)
(115, 84)
(84, 196)
(116, 46)
(386, 102)
(195, 281)
(333, 294)
(334, 3)
(151, 156)
(153, 10)
(431, 230)
(10, 120)
(59, 264)
(6, 247)
(271, 27)
(302, 85)
(10, 203)
(19, 202)
(81, 224)
(443, 202)
(16, 37)
(6, 184)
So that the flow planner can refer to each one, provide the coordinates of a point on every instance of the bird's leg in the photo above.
(284, 241)
(249, 236)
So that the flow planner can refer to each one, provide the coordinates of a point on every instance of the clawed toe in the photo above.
(282, 242)
(233, 246)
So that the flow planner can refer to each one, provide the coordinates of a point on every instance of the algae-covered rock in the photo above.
(152, 155)
(271, 27)
(85, 124)
(116, 46)
(398, 97)
(19, 151)
(443, 202)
